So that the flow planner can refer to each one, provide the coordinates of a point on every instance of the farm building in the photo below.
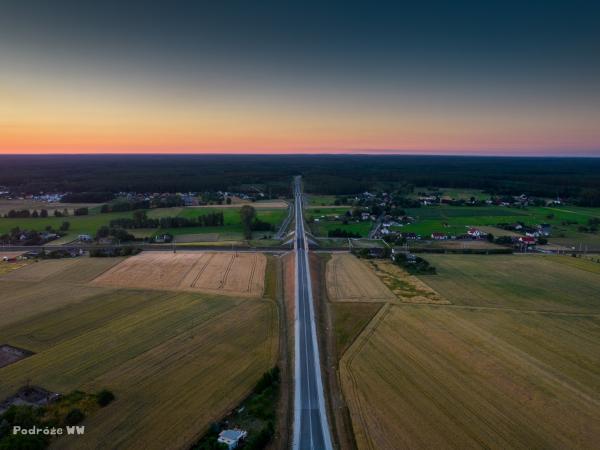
(527, 240)
(544, 229)
(475, 232)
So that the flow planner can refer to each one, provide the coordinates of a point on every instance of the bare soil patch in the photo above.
(221, 273)
(10, 354)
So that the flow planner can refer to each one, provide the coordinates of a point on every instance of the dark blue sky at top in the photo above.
(514, 76)
(552, 39)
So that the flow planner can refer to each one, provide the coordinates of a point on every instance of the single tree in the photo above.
(247, 215)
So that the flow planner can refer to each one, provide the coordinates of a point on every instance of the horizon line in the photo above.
(364, 153)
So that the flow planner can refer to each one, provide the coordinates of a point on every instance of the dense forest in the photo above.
(575, 178)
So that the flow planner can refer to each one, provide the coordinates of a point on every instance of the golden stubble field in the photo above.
(229, 273)
(350, 280)
(176, 360)
(514, 362)
(431, 377)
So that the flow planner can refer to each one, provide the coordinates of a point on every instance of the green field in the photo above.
(327, 221)
(167, 356)
(454, 193)
(455, 220)
(326, 212)
(513, 362)
(91, 223)
(233, 229)
(322, 200)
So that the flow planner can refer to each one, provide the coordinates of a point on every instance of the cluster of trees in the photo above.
(88, 197)
(117, 234)
(32, 237)
(169, 201)
(339, 233)
(591, 227)
(26, 214)
(65, 412)
(121, 206)
(577, 179)
(81, 211)
(260, 407)
(141, 220)
(414, 264)
(252, 223)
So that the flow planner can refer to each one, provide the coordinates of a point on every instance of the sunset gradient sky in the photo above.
(506, 77)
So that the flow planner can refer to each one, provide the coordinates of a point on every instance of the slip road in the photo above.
(311, 429)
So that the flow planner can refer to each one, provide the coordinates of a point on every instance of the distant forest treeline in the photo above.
(576, 178)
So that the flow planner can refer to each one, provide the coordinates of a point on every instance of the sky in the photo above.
(453, 77)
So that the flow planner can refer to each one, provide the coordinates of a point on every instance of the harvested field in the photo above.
(45, 285)
(221, 273)
(350, 280)
(176, 361)
(7, 267)
(167, 357)
(41, 270)
(349, 320)
(406, 287)
(446, 377)
(588, 264)
(80, 270)
(527, 282)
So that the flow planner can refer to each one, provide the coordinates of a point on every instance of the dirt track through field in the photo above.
(224, 273)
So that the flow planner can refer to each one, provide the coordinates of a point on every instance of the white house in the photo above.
(474, 232)
(231, 438)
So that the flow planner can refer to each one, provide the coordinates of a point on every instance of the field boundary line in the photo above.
(352, 352)
(223, 281)
(103, 272)
(251, 277)
(188, 271)
(498, 308)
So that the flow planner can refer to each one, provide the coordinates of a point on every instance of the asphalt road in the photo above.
(311, 429)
